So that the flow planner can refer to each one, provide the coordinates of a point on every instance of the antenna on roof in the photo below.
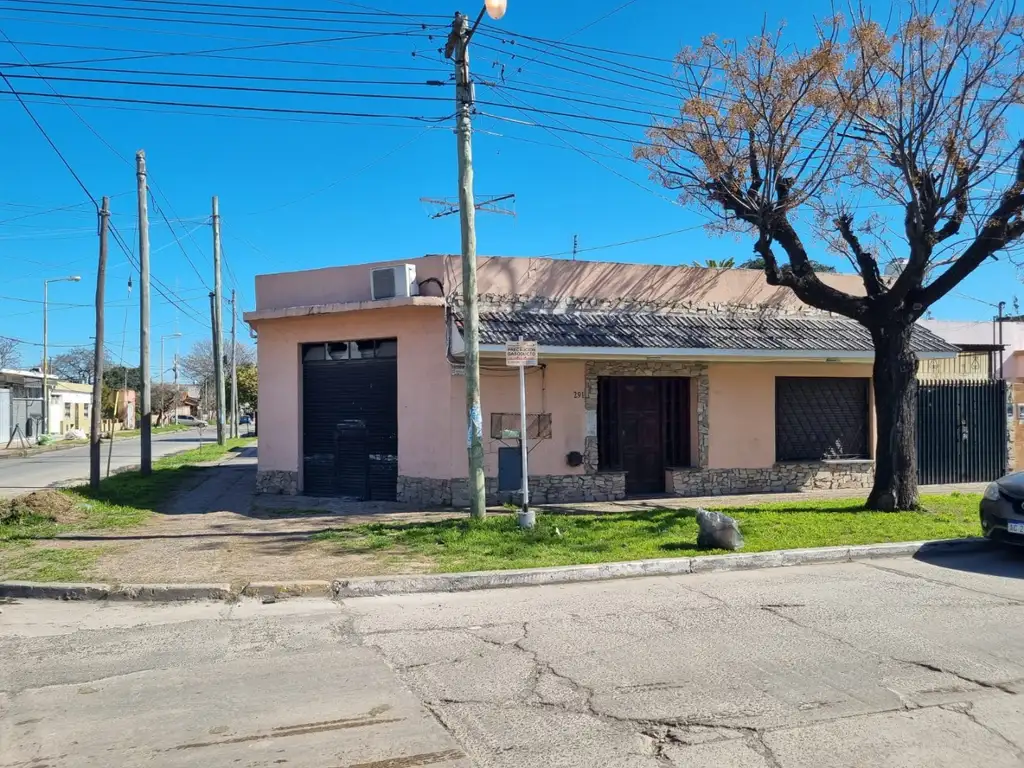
(575, 246)
(486, 203)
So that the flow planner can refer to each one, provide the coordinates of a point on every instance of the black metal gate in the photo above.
(350, 419)
(961, 431)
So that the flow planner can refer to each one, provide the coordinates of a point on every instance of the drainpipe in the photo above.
(999, 321)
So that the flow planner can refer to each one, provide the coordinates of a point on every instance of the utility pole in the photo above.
(218, 338)
(234, 366)
(96, 414)
(145, 428)
(457, 49)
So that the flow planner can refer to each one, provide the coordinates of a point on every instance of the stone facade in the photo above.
(277, 481)
(424, 491)
(780, 478)
(544, 489)
(685, 369)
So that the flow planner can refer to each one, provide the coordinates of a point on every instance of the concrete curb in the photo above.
(461, 582)
(287, 589)
(370, 586)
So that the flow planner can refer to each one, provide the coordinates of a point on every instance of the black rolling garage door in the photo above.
(350, 419)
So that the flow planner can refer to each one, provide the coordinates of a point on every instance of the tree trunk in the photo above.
(895, 388)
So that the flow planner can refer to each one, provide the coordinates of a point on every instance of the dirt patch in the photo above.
(51, 505)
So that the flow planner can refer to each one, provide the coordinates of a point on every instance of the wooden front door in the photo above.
(643, 428)
(643, 455)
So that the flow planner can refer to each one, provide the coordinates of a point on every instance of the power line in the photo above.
(634, 241)
(92, 14)
(189, 8)
(216, 53)
(230, 88)
(238, 107)
(226, 76)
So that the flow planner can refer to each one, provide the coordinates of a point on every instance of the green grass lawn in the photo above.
(122, 500)
(561, 539)
(156, 430)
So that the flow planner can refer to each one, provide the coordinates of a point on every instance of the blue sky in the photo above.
(305, 191)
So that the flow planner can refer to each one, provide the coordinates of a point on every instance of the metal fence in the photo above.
(961, 431)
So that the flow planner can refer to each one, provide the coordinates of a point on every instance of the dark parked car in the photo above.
(246, 419)
(1002, 509)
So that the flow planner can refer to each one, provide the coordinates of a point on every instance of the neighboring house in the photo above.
(980, 337)
(651, 379)
(21, 404)
(70, 406)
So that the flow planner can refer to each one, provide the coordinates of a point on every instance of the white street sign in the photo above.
(519, 354)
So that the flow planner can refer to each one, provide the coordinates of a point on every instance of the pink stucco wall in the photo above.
(741, 408)
(334, 285)
(551, 278)
(423, 384)
(556, 389)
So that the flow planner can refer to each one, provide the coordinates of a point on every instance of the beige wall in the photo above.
(423, 384)
(552, 389)
(741, 408)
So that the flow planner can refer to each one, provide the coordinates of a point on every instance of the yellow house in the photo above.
(70, 406)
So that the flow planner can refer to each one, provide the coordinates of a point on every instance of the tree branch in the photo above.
(867, 264)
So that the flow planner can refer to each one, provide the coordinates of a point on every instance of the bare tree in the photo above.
(10, 354)
(876, 136)
(197, 365)
(77, 365)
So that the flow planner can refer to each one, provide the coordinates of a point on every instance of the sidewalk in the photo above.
(218, 530)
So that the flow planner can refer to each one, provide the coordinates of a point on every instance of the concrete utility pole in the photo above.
(218, 337)
(96, 414)
(234, 366)
(457, 49)
(145, 428)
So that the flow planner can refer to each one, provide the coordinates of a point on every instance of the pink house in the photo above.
(652, 379)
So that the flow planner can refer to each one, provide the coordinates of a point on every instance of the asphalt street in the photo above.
(64, 467)
(895, 663)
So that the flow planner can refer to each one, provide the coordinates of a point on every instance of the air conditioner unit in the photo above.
(394, 282)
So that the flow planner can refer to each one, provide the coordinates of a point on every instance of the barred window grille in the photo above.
(538, 425)
(821, 418)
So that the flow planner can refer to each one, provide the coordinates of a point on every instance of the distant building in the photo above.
(21, 404)
(70, 407)
(978, 339)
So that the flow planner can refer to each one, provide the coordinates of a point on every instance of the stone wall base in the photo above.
(544, 489)
(788, 477)
(277, 481)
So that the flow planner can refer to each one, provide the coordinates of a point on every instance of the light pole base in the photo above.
(527, 518)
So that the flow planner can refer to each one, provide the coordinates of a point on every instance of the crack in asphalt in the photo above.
(967, 710)
(939, 582)
(663, 733)
(1004, 687)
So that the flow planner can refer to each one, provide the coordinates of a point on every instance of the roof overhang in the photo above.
(744, 355)
(262, 315)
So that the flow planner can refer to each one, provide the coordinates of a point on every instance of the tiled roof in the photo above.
(649, 330)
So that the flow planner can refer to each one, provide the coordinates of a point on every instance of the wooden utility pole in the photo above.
(218, 336)
(457, 49)
(234, 366)
(96, 414)
(145, 428)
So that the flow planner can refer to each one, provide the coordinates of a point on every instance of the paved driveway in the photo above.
(27, 474)
(883, 664)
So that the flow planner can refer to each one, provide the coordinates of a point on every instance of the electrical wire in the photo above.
(238, 107)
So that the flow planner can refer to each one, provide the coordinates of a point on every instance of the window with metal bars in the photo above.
(821, 418)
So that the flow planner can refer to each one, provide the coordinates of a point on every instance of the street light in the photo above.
(496, 8)
(175, 335)
(46, 362)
